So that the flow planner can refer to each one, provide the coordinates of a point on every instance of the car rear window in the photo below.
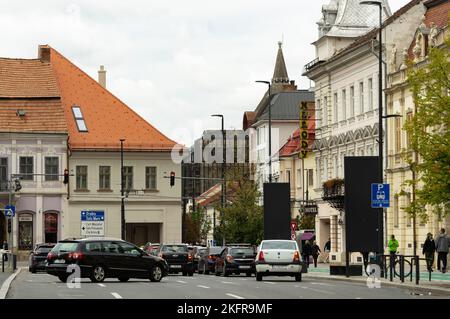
(66, 247)
(241, 252)
(215, 250)
(94, 247)
(175, 249)
(43, 249)
(279, 245)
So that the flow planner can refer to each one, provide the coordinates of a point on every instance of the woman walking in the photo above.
(429, 247)
(315, 249)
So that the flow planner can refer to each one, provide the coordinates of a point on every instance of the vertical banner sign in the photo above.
(303, 129)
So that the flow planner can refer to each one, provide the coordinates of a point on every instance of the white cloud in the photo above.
(174, 62)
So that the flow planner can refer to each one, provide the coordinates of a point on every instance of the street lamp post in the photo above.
(270, 130)
(223, 174)
(122, 192)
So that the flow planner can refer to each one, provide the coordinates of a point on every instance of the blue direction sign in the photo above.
(10, 210)
(92, 216)
(380, 195)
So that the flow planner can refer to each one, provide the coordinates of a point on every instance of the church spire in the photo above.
(280, 74)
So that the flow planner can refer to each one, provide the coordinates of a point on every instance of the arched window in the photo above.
(25, 231)
(51, 227)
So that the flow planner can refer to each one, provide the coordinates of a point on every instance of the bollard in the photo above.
(402, 268)
(417, 269)
(14, 262)
(391, 268)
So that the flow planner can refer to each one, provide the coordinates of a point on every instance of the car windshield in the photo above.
(201, 251)
(65, 247)
(242, 252)
(175, 249)
(43, 249)
(279, 245)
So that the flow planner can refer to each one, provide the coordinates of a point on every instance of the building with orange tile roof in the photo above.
(97, 121)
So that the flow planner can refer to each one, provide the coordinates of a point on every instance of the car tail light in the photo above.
(77, 256)
(261, 256)
(230, 258)
(296, 256)
(189, 257)
(50, 256)
(211, 257)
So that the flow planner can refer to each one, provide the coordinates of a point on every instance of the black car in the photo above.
(207, 262)
(236, 260)
(100, 258)
(198, 252)
(38, 257)
(179, 258)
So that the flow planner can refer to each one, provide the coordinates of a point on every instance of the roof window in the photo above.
(79, 119)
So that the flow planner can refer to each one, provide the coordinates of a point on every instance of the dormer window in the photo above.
(79, 119)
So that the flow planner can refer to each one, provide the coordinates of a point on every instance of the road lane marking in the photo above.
(116, 295)
(322, 284)
(182, 282)
(228, 282)
(235, 296)
(269, 282)
(201, 286)
(101, 285)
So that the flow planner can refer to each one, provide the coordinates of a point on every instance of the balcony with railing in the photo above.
(311, 65)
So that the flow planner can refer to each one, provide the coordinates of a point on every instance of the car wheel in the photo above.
(124, 279)
(298, 277)
(206, 272)
(258, 277)
(63, 278)
(184, 273)
(156, 273)
(200, 272)
(191, 273)
(98, 274)
(249, 274)
(33, 270)
(226, 273)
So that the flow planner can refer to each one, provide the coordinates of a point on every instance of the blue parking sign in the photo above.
(10, 210)
(380, 194)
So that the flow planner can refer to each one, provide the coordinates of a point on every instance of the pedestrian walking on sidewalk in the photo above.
(315, 250)
(326, 250)
(307, 251)
(442, 244)
(429, 248)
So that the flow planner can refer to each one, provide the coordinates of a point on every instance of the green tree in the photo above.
(243, 217)
(429, 135)
(198, 225)
(305, 221)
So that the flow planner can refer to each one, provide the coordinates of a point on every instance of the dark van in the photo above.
(100, 258)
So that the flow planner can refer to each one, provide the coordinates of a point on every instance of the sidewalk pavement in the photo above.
(439, 281)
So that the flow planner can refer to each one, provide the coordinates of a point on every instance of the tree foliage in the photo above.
(198, 225)
(243, 217)
(429, 133)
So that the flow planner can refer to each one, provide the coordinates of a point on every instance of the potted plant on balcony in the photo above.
(333, 193)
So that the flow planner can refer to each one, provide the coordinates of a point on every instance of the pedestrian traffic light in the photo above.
(66, 176)
(172, 179)
(9, 225)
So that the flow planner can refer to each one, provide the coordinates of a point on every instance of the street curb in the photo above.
(396, 284)
(5, 287)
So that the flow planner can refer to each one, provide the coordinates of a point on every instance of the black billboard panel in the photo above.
(277, 211)
(363, 224)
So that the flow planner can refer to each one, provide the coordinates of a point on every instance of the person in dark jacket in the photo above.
(429, 248)
(307, 251)
(315, 251)
(442, 245)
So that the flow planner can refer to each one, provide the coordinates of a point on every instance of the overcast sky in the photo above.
(174, 62)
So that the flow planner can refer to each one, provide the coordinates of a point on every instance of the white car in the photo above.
(278, 258)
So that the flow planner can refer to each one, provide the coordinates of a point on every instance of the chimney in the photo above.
(44, 53)
(102, 76)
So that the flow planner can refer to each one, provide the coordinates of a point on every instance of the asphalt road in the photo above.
(43, 286)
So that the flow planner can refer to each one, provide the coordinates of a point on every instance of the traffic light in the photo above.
(17, 186)
(172, 179)
(9, 225)
(66, 176)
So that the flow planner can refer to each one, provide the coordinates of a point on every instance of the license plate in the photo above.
(244, 267)
(60, 261)
(175, 266)
(279, 267)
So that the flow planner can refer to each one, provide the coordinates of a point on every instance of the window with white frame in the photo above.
(26, 167)
(344, 104)
(370, 84)
(325, 111)
(299, 178)
(51, 168)
(352, 101)
(335, 108)
(361, 98)
(319, 114)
